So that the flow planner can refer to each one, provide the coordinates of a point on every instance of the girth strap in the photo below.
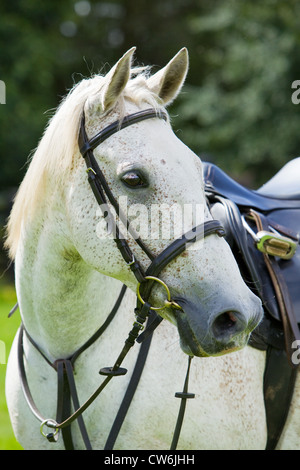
(279, 381)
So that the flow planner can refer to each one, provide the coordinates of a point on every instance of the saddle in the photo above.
(262, 228)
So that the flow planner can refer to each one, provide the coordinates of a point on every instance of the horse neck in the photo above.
(62, 300)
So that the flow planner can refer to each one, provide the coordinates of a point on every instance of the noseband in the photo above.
(146, 281)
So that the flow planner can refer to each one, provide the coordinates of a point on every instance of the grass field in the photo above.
(8, 328)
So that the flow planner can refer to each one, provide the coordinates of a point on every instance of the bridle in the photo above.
(143, 311)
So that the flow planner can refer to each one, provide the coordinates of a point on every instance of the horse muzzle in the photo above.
(217, 333)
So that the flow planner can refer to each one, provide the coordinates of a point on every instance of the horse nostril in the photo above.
(227, 324)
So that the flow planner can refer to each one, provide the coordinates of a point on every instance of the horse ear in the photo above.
(168, 82)
(116, 80)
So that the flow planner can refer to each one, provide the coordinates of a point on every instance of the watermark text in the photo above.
(154, 222)
(168, 459)
(2, 353)
(296, 94)
(296, 354)
(2, 92)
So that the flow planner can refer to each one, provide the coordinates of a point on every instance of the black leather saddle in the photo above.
(262, 228)
(278, 203)
(281, 192)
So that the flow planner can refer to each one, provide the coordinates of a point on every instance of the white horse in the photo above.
(69, 273)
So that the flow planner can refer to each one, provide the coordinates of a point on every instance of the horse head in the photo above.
(157, 182)
(159, 186)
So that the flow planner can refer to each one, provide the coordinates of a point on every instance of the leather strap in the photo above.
(133, 384)
(171, 252)
(103, 327)
(290, 326)
(184, 396)
(280, 372)
(63, 403)
(24, 383)
(167, 255)
(157, 265)
(179, 245)
(279, 381)
(64, 398)
(110, 372)
(98, 182)
(279, 377)
(66, 387)
(103, 193)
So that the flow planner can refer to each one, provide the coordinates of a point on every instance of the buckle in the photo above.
(50, 423)
(275, 244)
(272, 243)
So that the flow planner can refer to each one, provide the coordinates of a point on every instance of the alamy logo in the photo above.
(295, 96)
(154, 222)
(2, 92)
(2, 353)
(296, 354)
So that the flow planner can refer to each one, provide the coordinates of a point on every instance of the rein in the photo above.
(143, 311)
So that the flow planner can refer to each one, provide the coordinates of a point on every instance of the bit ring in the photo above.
(162, 283)
(50, 423)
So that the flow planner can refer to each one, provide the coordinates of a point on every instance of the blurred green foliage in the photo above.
(236, 107)
(8, 329)
(240, 110)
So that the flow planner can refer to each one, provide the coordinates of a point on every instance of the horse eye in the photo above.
(134, 180)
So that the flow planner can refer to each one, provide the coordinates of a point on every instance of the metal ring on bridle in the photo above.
(161, 283)
(50, 423)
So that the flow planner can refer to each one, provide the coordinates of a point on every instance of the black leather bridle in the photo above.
(143, 310)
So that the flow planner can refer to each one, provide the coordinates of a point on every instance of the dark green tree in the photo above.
(236, 107)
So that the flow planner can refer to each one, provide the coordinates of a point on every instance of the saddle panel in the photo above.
(285, 184)
(218, 182)
(290, 268)
(250, 259)
(229, 202)
(282, 215)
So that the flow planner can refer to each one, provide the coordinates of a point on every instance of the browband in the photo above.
(85, 145)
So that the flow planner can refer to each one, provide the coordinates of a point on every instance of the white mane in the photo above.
(57, 152)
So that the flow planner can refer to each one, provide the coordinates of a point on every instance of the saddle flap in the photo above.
(249, 247)
(218, 182)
